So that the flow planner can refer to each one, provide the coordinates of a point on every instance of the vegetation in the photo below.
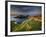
(33, 23)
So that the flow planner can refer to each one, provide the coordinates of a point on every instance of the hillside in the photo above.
(32, 23)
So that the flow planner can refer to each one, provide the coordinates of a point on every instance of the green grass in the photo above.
(26, 25)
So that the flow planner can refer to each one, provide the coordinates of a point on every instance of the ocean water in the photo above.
(16, 19)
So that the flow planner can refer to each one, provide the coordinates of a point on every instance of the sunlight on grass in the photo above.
(33, 23)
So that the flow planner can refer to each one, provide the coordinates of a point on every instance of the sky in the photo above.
(25, 10)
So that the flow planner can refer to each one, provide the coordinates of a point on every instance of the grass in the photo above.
(31, 24)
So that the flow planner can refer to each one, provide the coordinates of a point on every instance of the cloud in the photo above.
(21, 9)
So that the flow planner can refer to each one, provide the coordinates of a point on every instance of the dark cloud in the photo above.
(22, 8)
(25, 10)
